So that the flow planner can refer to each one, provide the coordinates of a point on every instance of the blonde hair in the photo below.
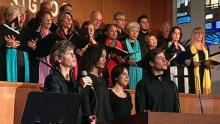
(193, 35)
(10, 10)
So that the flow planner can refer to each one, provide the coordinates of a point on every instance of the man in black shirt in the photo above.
(163, 37)
(155, 92)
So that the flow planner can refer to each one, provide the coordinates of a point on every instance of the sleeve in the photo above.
(45, 44)
(85, 105)
(176, 104)
(108, 108)
(51, 85)
(192, 62)
(140, 97)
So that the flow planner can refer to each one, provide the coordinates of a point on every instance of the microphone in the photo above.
(84, 74)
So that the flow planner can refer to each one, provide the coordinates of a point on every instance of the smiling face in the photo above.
(123, 78)
(152, 42)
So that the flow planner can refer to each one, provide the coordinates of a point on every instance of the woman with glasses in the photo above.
(133, 46)
(200, 75)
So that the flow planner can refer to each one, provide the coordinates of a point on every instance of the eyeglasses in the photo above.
(199, 32)
(97, 20)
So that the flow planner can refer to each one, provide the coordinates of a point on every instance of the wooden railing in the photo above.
(190, 103)
(12, 100)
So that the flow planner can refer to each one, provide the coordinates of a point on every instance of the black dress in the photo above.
(201, 72)
(121, 107)
(99, 100)
(6, 29)
(55, 82)
(178, 73)
(155, 95)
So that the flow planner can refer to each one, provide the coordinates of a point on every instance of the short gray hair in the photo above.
(58, 50)
(132, 25)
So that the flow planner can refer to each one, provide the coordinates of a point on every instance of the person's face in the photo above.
(23, 17)
(133, 33)
(160, 62)
(46, 21)
(165, 29)
(120, 22)
(144, 24)
(176, 35)
(112, 33)
(16, 14)
(97, 20)
(91, 30)
(123, 78)
(199, 35)
(67, 21)
(102, 60)
(152, 42)
(69, 59)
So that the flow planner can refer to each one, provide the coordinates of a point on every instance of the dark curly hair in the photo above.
(116, 71)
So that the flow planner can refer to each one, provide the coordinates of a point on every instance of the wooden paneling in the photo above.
(12, 100)
(157, 10)
(189, 103)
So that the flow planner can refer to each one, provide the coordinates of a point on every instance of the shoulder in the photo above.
(170, 83)
(53, 76)
(142, 83)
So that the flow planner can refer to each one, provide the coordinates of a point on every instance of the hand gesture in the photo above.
(187, 62)
(85, 81)
(32, 44)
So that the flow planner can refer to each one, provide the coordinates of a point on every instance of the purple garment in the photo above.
(44, 70)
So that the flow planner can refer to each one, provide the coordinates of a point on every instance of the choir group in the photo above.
(112, 57)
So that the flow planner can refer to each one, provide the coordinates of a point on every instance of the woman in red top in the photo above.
(111, 32)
